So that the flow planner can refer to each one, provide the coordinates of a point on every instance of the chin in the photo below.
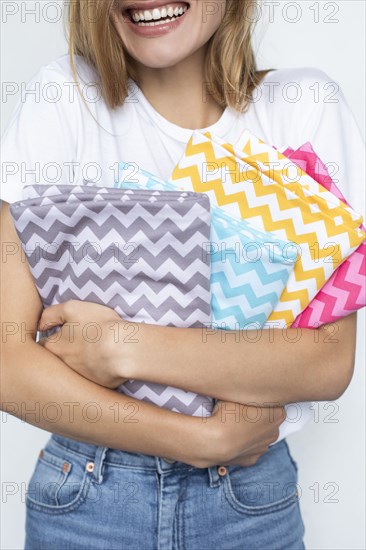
(158, 62)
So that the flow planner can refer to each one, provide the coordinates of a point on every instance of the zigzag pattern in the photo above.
(289, 173)
(345, 291)
(249, 269)
(169, 397)
(252, 184)
(138, 252)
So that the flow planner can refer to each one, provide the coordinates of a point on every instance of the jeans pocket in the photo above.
(59, 483)
(268, 486)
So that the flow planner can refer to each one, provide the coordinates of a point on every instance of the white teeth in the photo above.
(153, 16)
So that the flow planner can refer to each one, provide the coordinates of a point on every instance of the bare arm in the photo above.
(274, 366)
(34, 379)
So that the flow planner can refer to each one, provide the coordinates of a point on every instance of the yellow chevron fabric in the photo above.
(254, 181)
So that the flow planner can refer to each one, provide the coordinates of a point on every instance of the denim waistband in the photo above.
(99, 455)
(115, 456)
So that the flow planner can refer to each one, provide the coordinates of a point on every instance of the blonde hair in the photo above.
(231, 72)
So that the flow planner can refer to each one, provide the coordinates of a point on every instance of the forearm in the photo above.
(40, 389)
(274, 367)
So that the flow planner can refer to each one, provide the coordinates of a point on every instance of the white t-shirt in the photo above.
(52, 137)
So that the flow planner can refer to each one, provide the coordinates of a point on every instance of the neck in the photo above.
(178, 93)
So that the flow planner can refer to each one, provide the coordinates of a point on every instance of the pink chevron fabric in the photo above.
(345, 291)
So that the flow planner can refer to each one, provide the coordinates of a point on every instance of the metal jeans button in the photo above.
(90, 466)
(168, 460)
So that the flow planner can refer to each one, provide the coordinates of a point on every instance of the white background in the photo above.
(330, 451)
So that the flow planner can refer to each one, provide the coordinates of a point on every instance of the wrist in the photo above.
(128, 349)
(144, 351)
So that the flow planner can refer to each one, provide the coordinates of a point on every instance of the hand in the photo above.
(93, 339)
(241, 434)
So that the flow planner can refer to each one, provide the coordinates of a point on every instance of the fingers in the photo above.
(276, 415)
(281, 414)
(52, 316)
(249, 459)
(53, 342)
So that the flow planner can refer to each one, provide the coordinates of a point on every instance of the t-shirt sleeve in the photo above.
(331, 127)
(39, 143)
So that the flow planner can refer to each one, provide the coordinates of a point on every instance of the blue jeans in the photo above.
(87, 497)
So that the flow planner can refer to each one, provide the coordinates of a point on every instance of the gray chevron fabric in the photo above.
(139, 252)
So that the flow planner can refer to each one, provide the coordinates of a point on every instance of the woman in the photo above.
(116, 472)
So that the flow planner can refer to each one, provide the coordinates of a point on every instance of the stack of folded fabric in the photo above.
(285, 198)
(345, 291)
(254, 181)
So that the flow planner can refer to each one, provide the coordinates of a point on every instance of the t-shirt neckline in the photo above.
(219, 128)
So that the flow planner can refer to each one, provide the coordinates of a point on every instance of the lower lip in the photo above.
(155, 30)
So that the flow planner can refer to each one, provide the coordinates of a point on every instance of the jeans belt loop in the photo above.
(215, 478)
(99, 458)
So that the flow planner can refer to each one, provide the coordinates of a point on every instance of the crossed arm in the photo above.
(269, 366)
(272, 366)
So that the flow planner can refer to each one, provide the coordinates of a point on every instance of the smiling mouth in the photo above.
(156, 16)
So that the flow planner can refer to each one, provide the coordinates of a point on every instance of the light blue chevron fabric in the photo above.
(249, 268)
